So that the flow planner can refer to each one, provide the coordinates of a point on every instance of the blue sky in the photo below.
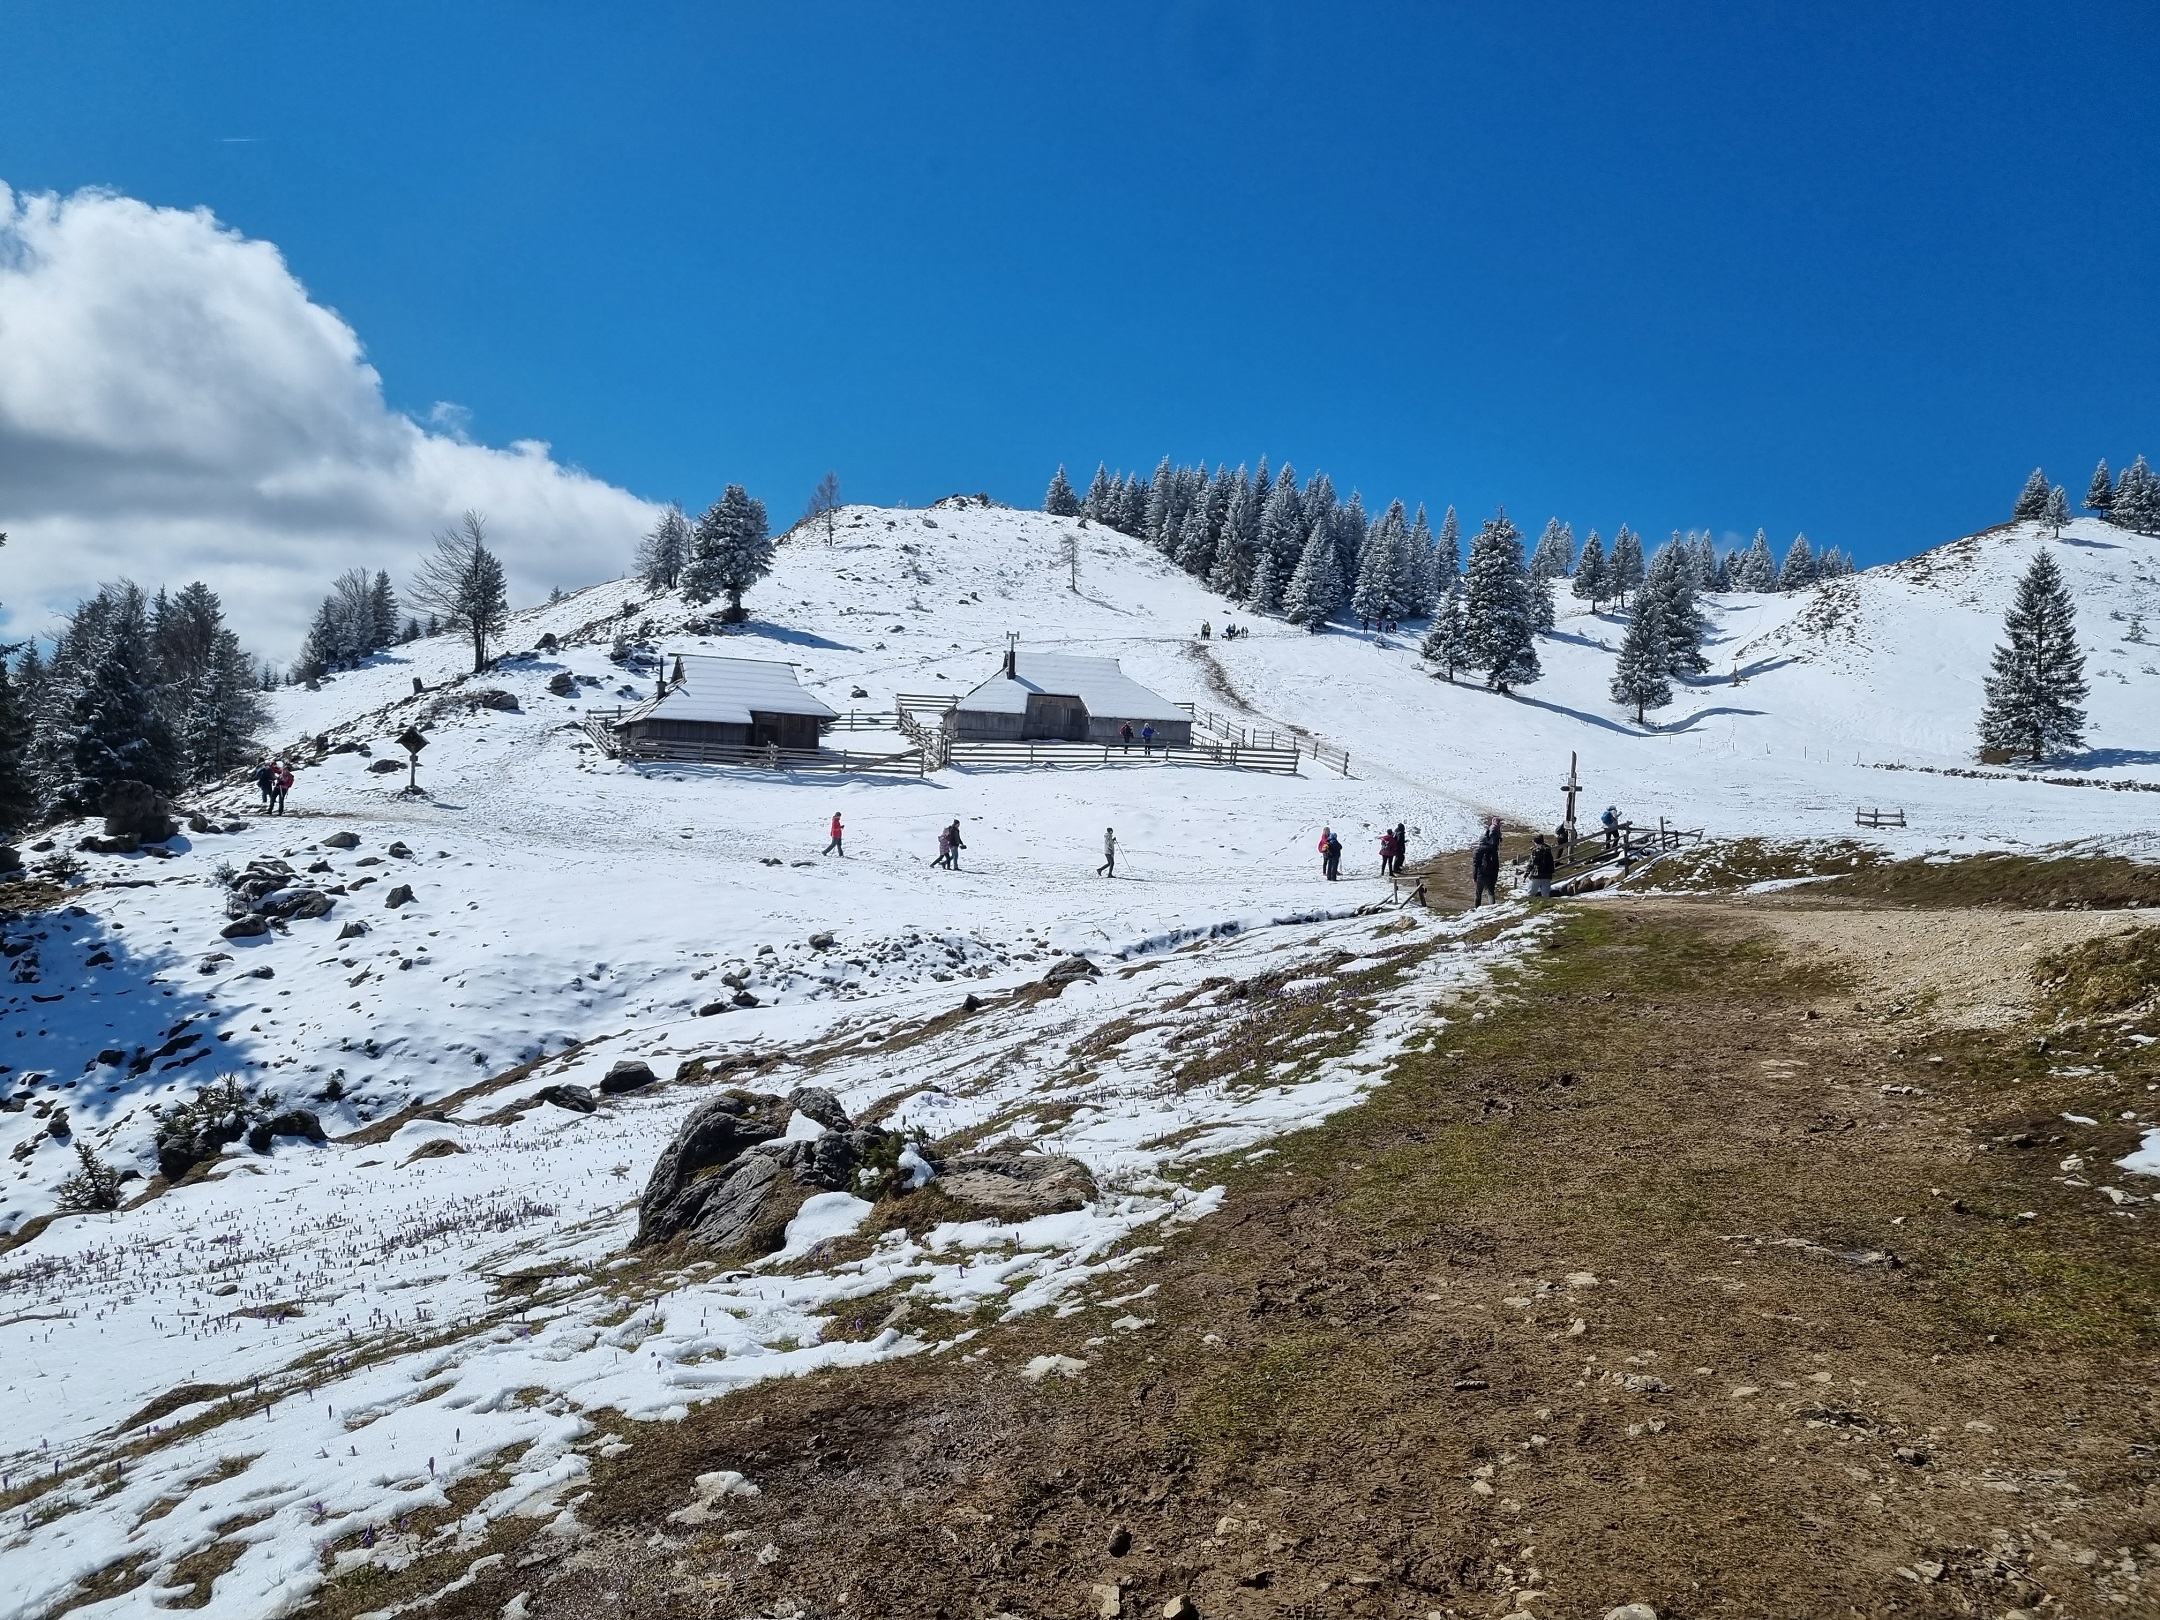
(1847, 269)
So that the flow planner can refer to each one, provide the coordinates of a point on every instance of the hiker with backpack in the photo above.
(834, 848)
(1541, 868)
(1109, 853)
(1485, 865)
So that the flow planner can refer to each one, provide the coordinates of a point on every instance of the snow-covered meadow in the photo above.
(346, 1306)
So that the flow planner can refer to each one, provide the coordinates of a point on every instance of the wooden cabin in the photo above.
(1058, 697)
(723, 703)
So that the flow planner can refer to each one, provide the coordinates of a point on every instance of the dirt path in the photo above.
(1690, 1272)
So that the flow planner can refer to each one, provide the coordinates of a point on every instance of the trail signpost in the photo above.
(412, 742)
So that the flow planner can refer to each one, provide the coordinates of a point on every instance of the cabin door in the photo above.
(1056, 718)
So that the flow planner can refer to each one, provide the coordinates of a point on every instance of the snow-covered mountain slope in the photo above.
(568, 911)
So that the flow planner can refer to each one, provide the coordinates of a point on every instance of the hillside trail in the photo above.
(1699, 1267)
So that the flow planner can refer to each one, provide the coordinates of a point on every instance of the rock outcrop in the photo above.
(1017, 1186)
(137, 810)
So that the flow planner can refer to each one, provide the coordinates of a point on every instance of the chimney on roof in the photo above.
(1012, 655)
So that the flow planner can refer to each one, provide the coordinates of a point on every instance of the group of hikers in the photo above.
(1147, 737)
(1394, 844)
(1230, 632)
(273, 780)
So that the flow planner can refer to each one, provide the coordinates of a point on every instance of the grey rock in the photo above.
(400, 851)
(1067, 969)
(1016, 1186)
(494, 697)
(197, 822)
(291, 903)
(712, 1007)
(629, 1074)
(715, 1135)
(822, 940)
(575, 1098)
(342, 840)
(562, 683)
(744, 998)
(137, 810)
(246, 928)
(402, 895)
(263, 972)
(353, 929)
(1631, 1611)
(813, 1102)
(383, 767)
(292, 1122)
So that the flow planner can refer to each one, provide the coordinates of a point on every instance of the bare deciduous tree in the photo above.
(824, 504)
(462, 583)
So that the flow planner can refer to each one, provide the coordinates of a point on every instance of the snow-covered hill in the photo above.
(568, 911)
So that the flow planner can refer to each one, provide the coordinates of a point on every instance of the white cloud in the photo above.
(173, 406)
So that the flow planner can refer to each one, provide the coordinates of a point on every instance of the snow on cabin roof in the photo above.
(1098, 682)
(724, 691)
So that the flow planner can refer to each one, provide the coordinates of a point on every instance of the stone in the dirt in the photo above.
(402, 895)
(342, 840)
(1109, 1601)
(246, 928)
(1180, 1608)
(1067, 969)
(1017, 1186)
(292, 1122)
(137, 810)
(575, 1098)
(628, 1074)
(1631, 1611)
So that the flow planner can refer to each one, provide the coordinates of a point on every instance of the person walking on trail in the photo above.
(1541, 868)
(1485, 866)
(1147, 738)
(1610, 821)
(1402, 845)
(834, 848)
(1387, 851)
(1327, 837)
(266, 781)
(1330, 854)
(953, 846)
(1205, 632)
(279, 787)
(944, 849)
(1109, 853)
(1125, 735)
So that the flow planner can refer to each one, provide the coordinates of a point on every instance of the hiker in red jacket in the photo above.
(834, 848)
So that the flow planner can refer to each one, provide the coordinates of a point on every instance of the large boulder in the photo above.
(1016, 1186)
(564, 1095)
(342, 840)
(743, 1208)
(1067, 969)
(714, 1136)
(292, 1122)
(137, 810)
(297, 902)
(628, 1074)
(245, 928)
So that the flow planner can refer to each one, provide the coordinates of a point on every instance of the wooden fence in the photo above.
(1878, 818)
(1241, 736)
(1068, 755)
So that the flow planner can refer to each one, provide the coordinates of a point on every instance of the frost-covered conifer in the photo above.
(1101, 503)
(1798, 572)
(2032, 499)
(1500, 615)
(2137, 499)
(2057, 515)
(1555, 554)
(1624, 568)
(119, 723)
(1758, 568)
(730, 551)
(1315, 592)
(1283, 531)
(1639, 676)
(1590, 583)
(1448, 642)
(1668, 594)
(18, 787)
(1236, 545)
(1060, 500)
(1420, 570)
(1447, 558)
(2100, 493)
(463, 587)
(2036, 689)
(1195, 547)
(1264, 595)
(663, 554)
(1373, 598)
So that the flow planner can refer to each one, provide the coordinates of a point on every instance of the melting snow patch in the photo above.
(1044, 1366)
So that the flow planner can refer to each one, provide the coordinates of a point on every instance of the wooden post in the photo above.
(1571, 787)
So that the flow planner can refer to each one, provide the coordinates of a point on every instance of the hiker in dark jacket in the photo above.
(1402, 845)
(1485, 867)
(953, 845)
(1332, 861)
(1541, 868)
(1125, 735)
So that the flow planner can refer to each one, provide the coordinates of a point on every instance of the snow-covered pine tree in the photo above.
(2057, 515)
(1798, 571)
(1498, 607)
(222, 714)
(1283, 530)
(2137, 499)
(1555, 554)
(1624, 568)
(1159, 519)
(1060, 500)
(1132, 507)
(382, 613)
(18, 785)
(2032, 499)
(731, 550)
(1668, 594)
(1196, 547)
(120, 728)
(2036, 689)
(320, 651)
(1236, 544)
(1447, 551)
(1264, 595)
(1590, 583)
(1721, 575)
(2100, 493)
(1832, 564)
(1639, 675)
(1315, 592)
(1373, 597)
(1101, 503)
(462, 585)
(664, 553)
(1448, 642)
(1420, 570)
(1759, 566)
